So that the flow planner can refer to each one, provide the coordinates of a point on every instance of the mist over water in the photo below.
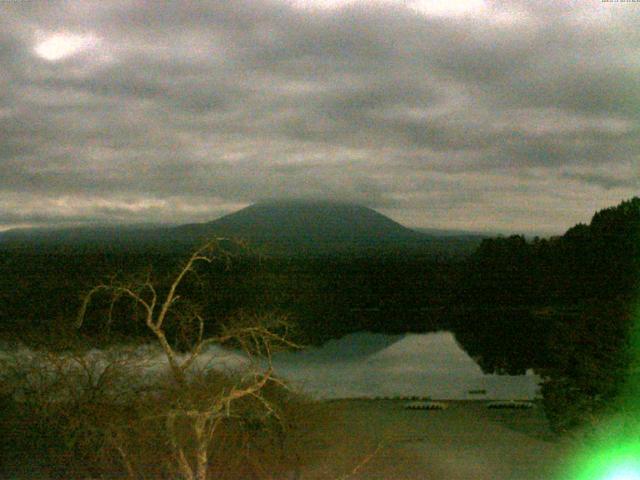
(357, 365)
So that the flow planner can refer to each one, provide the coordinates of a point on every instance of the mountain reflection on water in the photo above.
(378, 365)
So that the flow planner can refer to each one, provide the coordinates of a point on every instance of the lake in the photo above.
(378, 365)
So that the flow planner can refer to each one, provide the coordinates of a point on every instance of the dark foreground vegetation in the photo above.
(97, 431)
(325, 295)
(123, 413)
(562, 306)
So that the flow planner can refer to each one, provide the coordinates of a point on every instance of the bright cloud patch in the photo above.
(450, 8)
(425, 7)
(62, 45)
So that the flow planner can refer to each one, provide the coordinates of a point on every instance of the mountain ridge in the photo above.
(276, 226)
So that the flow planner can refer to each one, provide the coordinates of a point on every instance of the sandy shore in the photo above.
(380, 439)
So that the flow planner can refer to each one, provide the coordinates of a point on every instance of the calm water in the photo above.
(376, 365)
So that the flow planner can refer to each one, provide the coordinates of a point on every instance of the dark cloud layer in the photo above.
(512, 116)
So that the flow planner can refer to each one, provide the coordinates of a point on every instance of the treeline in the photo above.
(595, 261)
(325, 296)
(331, 296)
(563, 306)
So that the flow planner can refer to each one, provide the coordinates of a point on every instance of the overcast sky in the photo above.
(511, 116)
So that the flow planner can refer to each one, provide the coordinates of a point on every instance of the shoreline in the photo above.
(464, 441)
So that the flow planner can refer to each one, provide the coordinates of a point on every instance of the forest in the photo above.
(563, 306)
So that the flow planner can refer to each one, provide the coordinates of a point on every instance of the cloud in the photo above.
(471, 116)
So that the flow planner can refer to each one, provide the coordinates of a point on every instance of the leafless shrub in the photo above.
(54, 410)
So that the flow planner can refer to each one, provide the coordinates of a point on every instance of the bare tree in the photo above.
(257, 335)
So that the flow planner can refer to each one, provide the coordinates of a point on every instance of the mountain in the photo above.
(283, 227)
(306, 223)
